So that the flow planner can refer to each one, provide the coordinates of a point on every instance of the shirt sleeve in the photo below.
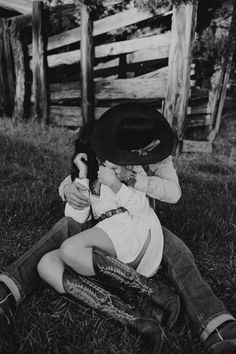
(66, 181)
(133, 200)
(163, 185)
(79, 215)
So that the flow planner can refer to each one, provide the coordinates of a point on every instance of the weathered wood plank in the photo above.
(40, 89)
(116, 89)
(23, 6)
(196, 146)
(197, 110)
(178, 87)
(86, 64)
(107, 24)
(160, 73)
(71, 115)
(198, 121)
(6, 70)
(20, 75)
(158, 43)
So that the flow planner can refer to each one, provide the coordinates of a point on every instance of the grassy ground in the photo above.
(33, 161)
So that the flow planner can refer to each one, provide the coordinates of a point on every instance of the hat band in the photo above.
(145, 150)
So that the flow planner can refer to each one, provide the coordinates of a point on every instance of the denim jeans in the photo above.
(205, 310)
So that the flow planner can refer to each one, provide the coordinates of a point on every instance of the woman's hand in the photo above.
(74, 195)
(122, 173)
(81, 165)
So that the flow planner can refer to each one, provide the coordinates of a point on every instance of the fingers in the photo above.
(82, 155)
(80, 186)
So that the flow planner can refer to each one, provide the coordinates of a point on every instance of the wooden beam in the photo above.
(198, 121)
(71, 115)
(107, 24)
(178, 87)
(23, 6)
(158, 43)
(86, 64)
(20, 73)
(6, 70)
(196, 146)
(40, 91)
(113, 90)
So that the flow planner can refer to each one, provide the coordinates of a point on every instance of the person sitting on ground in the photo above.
(208, 315)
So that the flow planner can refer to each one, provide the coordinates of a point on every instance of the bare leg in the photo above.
(76, 252)
(51, 268)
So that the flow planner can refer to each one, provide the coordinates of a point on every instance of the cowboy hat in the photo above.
(132, 134)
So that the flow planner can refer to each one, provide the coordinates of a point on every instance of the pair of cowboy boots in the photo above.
(109, 269)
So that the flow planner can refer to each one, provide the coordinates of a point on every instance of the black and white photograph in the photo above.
(117, 177)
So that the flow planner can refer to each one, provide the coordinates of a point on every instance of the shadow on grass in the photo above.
(29, 204)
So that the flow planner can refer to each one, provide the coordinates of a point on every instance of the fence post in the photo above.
(86, 64)
(20, 75)
(178, 84)
(6, 70)
(39, 62)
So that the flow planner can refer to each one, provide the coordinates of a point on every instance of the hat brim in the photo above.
(107, 147)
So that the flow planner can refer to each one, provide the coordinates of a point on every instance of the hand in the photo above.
(122, 172)
(82, 166)
(74, 195)
(107, 176)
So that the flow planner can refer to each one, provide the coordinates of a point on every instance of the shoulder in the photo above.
(168, 162)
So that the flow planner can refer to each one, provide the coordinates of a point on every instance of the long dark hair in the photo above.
(83, 144)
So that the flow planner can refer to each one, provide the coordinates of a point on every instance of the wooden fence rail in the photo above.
(155, 68)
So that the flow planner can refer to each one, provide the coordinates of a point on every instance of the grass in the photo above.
(34, 160)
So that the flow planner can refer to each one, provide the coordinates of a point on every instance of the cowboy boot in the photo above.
(98, 298)
(7, 306)
(111, 269)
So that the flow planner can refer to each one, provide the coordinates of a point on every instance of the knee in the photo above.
(69, 252)
(44, 265)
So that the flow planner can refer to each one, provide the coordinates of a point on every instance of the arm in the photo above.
(163, 184)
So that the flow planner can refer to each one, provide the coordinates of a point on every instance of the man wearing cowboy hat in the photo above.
(139, 131)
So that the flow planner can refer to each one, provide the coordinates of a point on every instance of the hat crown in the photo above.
(132, 134)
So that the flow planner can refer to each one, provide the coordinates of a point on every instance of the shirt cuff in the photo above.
(124, 195)
(66, 181)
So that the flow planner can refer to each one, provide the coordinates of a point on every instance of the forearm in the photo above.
(158, 188)
(162, 182)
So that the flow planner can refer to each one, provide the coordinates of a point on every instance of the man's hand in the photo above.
(75, 197)
(122, 173)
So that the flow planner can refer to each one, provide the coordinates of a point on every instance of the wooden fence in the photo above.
(52, 64)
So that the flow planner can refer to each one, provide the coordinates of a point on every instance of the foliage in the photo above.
(212, 44)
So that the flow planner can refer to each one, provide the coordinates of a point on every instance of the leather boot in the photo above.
(111, 269)
(7, 306)
(98, 298)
